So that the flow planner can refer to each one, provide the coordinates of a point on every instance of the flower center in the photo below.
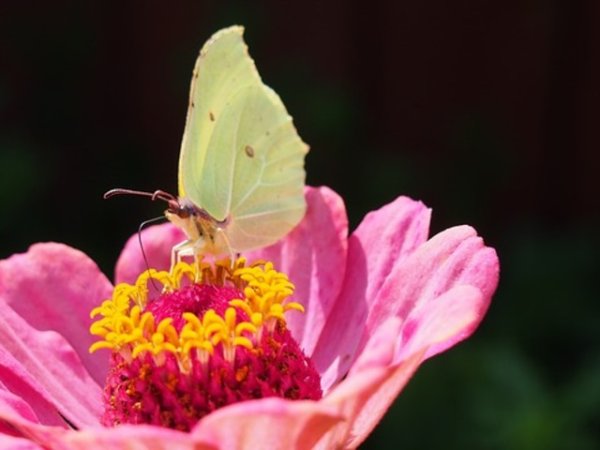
(214, 336)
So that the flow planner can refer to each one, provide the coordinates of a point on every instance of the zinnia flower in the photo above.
(306, 349)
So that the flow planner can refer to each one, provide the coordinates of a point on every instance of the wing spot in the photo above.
(211, 116)
(249, 151)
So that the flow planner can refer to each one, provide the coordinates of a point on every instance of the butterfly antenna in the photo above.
(170, 199)
(140, 228)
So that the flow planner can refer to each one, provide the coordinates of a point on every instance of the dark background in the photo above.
(488, 111)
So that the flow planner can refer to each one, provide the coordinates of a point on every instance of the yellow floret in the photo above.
(124, 326)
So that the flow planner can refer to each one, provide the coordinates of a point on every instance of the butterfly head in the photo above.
(194, 221)
(200, 228)
(204, 232)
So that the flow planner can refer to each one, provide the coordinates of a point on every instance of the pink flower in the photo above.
(378, 303)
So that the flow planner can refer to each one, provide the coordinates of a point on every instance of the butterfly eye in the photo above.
(183, 211)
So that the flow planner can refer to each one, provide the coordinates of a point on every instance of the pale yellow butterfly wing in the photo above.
(241, 157)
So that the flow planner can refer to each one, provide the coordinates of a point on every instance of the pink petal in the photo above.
(15, 424)
(454, 257)
(271, 423)
(14, 404)
(376, 360)
(16, 443)
(441, 323)
(100, 438)
(42, 364)
(158, 240)
(54, 287)
(20, 396)
(363, 398)
(133, 437)
(381, 347)
(386, 236)
(313, 256)
(14, 411)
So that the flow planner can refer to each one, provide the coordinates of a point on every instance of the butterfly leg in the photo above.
(232, 255)
(180, 250)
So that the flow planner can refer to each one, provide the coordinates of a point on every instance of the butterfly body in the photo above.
(204, 234)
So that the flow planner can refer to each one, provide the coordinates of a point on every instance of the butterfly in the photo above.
(241, 164)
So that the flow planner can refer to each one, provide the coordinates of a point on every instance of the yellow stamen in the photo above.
(265, 294)
(124, 326)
